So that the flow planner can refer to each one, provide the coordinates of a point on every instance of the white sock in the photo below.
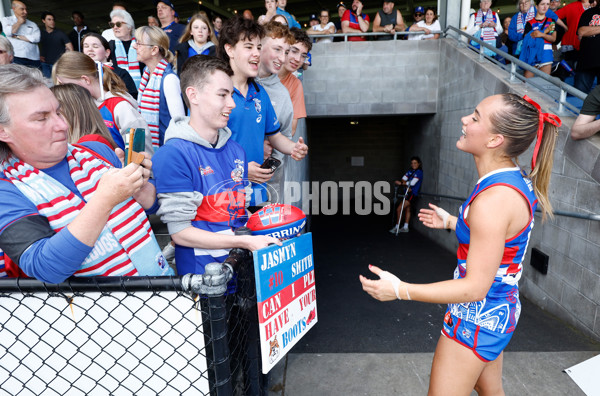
(405, 226)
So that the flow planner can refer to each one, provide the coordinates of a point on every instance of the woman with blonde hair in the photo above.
(159, 96)
(493, 227)
(118, 108)
(197, 39)
(79, 110)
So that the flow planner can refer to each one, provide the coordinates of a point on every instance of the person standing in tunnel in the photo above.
(493, 227)
(410, 184)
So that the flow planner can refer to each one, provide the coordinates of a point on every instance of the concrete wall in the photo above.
(349, 78)
(571, 289)
(372, 78)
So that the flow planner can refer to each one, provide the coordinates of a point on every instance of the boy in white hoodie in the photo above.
(202, 175)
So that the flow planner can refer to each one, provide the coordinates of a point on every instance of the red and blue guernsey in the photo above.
(200, 185)
(499, 311)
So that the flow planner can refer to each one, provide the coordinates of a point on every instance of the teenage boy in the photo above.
(295, 60)
(275, 47)
(201, 173)
(253, 118)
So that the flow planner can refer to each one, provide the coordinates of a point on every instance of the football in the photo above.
(277, 220)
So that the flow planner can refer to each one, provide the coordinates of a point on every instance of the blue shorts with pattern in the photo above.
(487, 345)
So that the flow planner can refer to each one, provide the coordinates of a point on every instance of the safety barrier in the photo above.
(514, 74)
(195, 334)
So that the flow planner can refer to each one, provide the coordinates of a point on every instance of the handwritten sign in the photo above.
(287, 300)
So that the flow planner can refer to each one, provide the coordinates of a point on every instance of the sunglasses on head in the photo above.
(117, 24)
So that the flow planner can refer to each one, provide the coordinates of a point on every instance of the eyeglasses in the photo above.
(117, 24)
(418, 14)
(147, 45)
(296, 51)
(324, 16)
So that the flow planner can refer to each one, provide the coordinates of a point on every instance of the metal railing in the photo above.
(582, 216)
(563, 87)
(193, 334)
(373, 34)
(512, 69)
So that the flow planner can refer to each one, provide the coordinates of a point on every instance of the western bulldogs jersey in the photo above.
(499, 311)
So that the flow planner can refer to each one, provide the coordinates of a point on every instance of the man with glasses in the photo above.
(388, 20)
(324, 27)
(165, 10)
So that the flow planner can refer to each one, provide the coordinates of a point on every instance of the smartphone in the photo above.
(271, 163)
(136, 143)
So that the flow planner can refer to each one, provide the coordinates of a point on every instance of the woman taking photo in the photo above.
(493, 228)
(428, 25)
(118, 108)
(197, 39)
(123, 53)
(159, 96)
(537, 44)
(96, 47)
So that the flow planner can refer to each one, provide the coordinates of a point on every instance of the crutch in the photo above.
(401, 209)
(394, 205)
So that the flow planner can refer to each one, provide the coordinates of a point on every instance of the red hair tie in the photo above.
(544, 117)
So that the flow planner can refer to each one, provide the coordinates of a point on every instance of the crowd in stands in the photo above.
(216, 98)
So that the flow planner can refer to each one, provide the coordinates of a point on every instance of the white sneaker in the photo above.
(403, 230)
(394, 230)
(169, 252)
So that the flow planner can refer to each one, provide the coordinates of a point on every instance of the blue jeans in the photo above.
(28, 62)
(584, 79)
(47, 69)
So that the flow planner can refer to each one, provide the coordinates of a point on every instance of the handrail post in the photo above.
(481, 56)
(513, 72)
(561, 100)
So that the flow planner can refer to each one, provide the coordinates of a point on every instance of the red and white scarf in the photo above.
(128, 61)
(126, 245)
(149, 98)
(488, 34)
(521, 23)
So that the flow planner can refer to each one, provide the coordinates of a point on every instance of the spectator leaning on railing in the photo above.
(427, 26)
(65, 209)
(388, 20)
(324, 27)
(587, 123)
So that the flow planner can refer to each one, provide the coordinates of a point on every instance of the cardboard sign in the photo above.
(286, 296)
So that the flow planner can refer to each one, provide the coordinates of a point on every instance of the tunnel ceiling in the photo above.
(96, 12)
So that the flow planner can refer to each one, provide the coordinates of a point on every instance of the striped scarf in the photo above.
(488, 34)
(521, 23)
(3, 273)
(126, 245)
(149, 99)
(128, 61)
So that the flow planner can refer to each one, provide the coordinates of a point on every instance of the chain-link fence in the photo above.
(133, 336)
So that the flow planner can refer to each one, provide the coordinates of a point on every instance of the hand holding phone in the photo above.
(271, 163)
